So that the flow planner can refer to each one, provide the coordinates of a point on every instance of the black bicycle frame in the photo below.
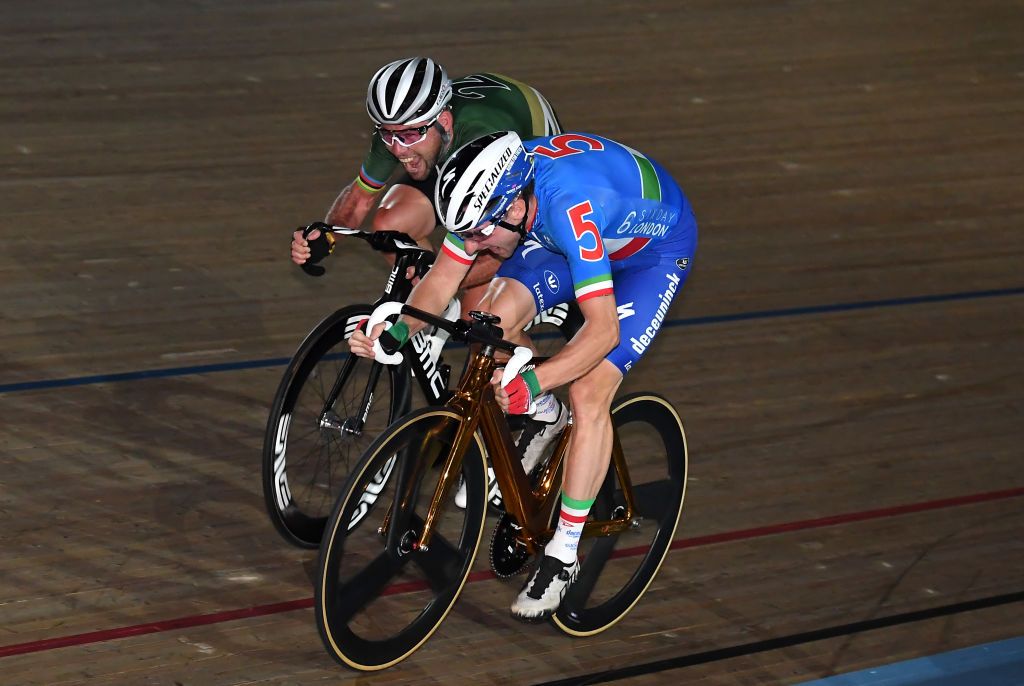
(432, 378)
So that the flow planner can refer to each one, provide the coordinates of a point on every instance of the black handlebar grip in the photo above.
(319, 248)
(389, 343)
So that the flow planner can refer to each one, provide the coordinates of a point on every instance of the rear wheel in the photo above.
(328, 407)
(378, 598)
(616, 570)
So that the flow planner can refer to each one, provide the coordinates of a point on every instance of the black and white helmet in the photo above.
(407, 91)
(481, 179)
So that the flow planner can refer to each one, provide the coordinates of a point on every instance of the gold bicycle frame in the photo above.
(474, 402)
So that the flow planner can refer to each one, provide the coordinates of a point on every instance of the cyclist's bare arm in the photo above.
(351, 206)
(431, 294)
(595, 339)
(349, 209)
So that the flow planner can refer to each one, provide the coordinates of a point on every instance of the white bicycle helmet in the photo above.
(407, 91)
(479, 181)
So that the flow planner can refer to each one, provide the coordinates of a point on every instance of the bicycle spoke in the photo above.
(366, 586)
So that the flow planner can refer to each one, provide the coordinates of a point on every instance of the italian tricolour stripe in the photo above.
(650, 189)
(593, 287)
(455, 248)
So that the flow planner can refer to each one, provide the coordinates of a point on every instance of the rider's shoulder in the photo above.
(483, 91)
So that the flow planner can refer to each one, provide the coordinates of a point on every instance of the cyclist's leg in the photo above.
(509, 297)
(649, 437)
(532, 280)
(644, 295)
(642, 309)
(591, 447)
(406, 208)
(586, 467)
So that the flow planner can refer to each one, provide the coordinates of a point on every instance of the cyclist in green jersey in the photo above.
(420, 118)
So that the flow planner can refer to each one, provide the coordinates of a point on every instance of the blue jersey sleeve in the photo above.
(572, 223)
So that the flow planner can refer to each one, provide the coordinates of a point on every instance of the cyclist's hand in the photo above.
(499, 393)
(316, 246)
(300, 246)
(517, 396)
(392, 338)
(362, 345)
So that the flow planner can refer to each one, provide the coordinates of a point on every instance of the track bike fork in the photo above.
(397, 530)
(352, 425)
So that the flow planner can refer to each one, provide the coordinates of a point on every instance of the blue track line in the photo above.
(1000, 663)
(690, 321)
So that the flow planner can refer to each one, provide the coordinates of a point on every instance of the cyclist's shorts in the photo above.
(643, 293)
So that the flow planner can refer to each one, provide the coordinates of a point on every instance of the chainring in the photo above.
(508, 554)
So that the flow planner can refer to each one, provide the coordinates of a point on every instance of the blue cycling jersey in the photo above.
(602, 206)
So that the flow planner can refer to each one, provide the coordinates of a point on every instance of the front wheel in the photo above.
(616, 570)
(328, 407)
(378, 596)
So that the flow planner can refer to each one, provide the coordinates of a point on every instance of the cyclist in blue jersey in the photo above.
(573, 216)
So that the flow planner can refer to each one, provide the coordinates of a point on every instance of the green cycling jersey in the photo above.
(481, 104)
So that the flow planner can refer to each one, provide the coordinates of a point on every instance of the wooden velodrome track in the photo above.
(847, 355)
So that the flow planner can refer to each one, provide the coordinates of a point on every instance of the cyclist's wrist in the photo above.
(394, 337)
(530, 377)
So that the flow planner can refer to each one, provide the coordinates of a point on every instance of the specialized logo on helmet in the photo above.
(477, 183)
(446, 181)
(492, 179)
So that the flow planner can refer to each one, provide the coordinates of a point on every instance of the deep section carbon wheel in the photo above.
(379, 596)
(328, 408)
(616, 570)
